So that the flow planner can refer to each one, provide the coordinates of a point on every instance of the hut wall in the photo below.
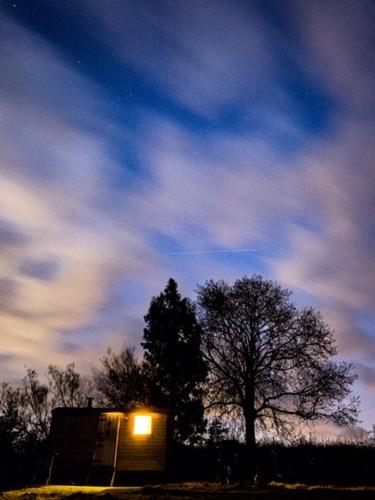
(143, 453)
(72, 439)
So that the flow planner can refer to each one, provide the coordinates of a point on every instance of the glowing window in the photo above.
(142, 425)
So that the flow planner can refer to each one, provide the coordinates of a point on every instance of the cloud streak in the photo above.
(62, 254)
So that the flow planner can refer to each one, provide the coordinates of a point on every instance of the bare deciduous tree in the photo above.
(121, 381)
(68, 387)
(271, 363)
(36, 406)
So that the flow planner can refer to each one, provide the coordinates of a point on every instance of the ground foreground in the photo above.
(193, 491)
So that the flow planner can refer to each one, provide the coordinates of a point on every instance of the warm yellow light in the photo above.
(142, 425)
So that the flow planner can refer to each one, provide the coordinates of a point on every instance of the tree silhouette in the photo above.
(68, 387)
(269, 362)
(176, 370)
(36, 406)
(11, 427)
(121, 381)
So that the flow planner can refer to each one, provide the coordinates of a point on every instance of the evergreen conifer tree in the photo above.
(174, 361)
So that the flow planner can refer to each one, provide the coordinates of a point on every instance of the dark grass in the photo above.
(195, 491)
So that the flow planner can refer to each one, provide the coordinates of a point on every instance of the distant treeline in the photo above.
(227, 462)
(317, 463)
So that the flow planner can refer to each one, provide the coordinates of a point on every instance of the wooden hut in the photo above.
(101, 445)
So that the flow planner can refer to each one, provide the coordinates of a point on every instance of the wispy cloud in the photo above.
(64, 247)
(201, 64)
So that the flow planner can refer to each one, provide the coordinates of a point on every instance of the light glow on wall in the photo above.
(142, 425)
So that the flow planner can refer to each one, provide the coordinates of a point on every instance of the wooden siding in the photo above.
(72, 441)
(142, 453)
(73, 436)
(105, 445)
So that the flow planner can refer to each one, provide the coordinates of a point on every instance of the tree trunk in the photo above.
(250, 441)
(250, 432)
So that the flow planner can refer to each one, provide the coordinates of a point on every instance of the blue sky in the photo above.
(205, 139)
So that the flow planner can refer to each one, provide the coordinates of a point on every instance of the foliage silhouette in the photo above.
(173, 358)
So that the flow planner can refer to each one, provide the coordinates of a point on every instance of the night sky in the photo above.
(195, 139)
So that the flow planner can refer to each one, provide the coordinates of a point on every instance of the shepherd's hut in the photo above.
(107, 446)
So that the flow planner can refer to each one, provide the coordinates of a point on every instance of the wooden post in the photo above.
(116, 451)
(50, 469)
